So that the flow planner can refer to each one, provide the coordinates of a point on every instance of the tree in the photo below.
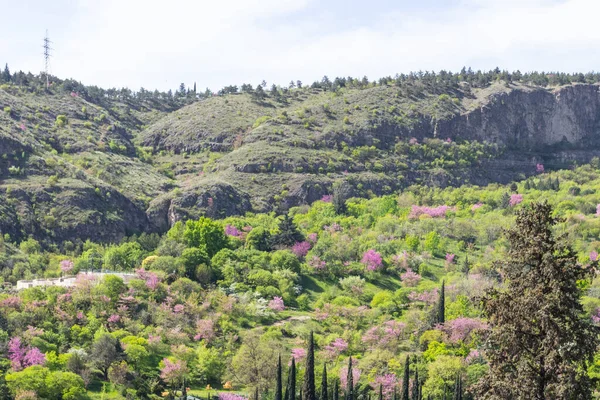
(349, 382)
(279, 388)
(405, 380)
(288, 233)
(105, 350)
(504, 200)
(253, 364)
(290, 390)
(336, 391)
(5, 74)
(309, 372)
(205, 234)
(341, 193)
(416, 385)
(540, 345)
(458, 389)
(440, 310)
(324, 395)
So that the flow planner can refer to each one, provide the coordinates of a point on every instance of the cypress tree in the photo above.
(300, 397)
(380, 392)
(349, 382)
(324, 383)
(441, 311)
(405, 380)
(416, 385)
(290, 390)
(309, 373)
(279, 388)
(183, 390)
(394, 395)
(336, 391)
(256, 393)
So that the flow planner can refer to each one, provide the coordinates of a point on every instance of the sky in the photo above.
(158, 44)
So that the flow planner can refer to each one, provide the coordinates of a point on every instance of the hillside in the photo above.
(77, 165)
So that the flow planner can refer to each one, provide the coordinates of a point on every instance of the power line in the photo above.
(47, 56)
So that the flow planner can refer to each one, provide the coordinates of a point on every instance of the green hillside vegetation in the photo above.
(215, 298)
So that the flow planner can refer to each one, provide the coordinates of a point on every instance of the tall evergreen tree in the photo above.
(324, 392)
(540, 344)
(290, 390)
(279, 388)
(336, 391)
(256, 393)
(439, 313)
(406, 380)
(349, 382)
(6, 74)
(380, 391)
(288, 233)
(416, 385)
(309, 372)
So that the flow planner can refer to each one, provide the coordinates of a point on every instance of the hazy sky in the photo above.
(160, 43)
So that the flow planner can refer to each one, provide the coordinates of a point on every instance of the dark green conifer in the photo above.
(309, 372)
(256, 393)
(336, 391)
(380, 392)
(406, 380)
(349, 382)
(290, 390)
(279, 388)
(416, 384)
(441, 310)
(324, 392)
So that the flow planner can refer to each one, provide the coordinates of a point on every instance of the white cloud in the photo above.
(159, 44)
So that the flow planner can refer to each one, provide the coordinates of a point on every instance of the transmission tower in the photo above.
(47, 56)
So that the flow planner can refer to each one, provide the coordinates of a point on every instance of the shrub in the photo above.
(61, 120)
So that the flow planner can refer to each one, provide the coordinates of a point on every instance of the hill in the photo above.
(82, 163)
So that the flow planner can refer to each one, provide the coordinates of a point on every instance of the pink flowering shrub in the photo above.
(372, 260)
(428, 297)
(66, 266)
(539, 168)
(231, 396)
(335, 348)
(178, 308)
(298, 354)
(433, 212)
(387, 334)
(515, 199)
(114, 318)
(173, 372)
(317, 264)
(594, 256)
(276, 304)
(598, 210)
(11, 302)
(312, 237)
(231, 230)
(461, 329)
(476, 206)
(205, 330)
(410, 278)
(21, 356)
(152, 280)
(473, 356)
(300, 249)
(388, 383)
(344, 376)
(327, 198)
